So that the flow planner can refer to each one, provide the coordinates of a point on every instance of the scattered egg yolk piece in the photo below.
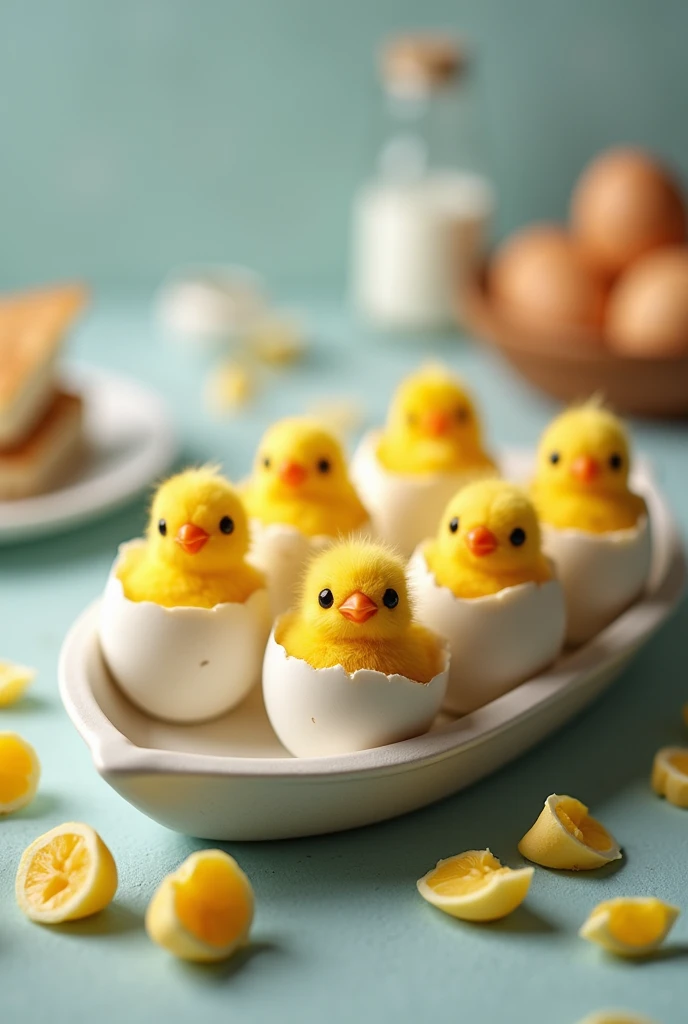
(670, 775)
(203, 910)
(277, 342)
(566, 837)
(615, 1017)
(65, 875)
(229, 387)
(474, 886)
(14, 679)
(630, 926)
(20, 771)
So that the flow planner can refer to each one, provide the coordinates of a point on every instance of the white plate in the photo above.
(129, 442)
(231, 779)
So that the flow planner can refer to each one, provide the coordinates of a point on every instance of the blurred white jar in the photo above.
(423, 221)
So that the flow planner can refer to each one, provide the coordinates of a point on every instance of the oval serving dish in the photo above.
(231, 779)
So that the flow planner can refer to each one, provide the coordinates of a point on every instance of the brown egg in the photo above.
(625, 205)
(647, 313)
(541, 281)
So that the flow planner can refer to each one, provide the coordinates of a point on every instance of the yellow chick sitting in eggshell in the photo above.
(349, 668)
(432, 427)
(595, 528)
(489, 539)
(196, 543)
(355, 612)
(430, 446)
(484, 583)
(582, 473)
(184, 618)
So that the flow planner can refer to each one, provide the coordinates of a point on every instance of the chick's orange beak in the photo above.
(481, 541)
(358, 607)
(292, 473)
(435, 423)
(585, 469)
(191, 538)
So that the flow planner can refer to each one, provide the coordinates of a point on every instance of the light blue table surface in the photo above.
(341, 934)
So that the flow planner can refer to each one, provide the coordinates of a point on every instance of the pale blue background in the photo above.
(341, 934)
(138, 134)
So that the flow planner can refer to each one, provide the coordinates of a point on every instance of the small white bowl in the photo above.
(602, 574)
(405, 509)
(281, 552)
(182, 664)
(323, 711)
(497, 641)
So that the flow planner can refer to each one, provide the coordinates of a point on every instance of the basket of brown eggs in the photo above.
(601, 304)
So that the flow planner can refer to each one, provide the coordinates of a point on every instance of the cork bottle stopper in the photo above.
(421, 61)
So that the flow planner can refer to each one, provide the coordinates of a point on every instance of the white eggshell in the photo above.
(405, 509)
(601, 573)
(182, 664)
(497, 641)
(282, 552)
(322, 711)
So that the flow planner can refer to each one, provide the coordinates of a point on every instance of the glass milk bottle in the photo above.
(422, 221)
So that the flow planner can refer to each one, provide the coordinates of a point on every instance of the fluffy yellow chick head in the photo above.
(299, 460)
(492, 526)
(198, 523)
(585, 449)
(433, 414)
(356, 591)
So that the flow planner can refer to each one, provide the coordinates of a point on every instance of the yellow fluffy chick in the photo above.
(300, 478)
(582, 473)
(196, 544)
(355, 612)
(488, 539)
(432, 427)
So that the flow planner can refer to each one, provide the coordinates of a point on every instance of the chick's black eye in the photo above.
(411, 418)
(554, 458)
(324, 466)
(517, 537)
(390, 598)
(325, 598)
(227, 525)
(162, 527)
(462, 415)
(615, 461)
(454, 524)
(266, 461)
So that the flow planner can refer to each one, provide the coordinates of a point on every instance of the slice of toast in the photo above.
(36, 464)
(32, 326)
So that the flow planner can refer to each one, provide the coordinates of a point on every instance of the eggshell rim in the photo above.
(368, 447)
(618, 537)
(503, 596)
(340, 671)
(176, 610)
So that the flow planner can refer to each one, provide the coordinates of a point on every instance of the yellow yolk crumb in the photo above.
(474, 886)
(630, 926)
(65, 875)
(202, 911)
(277, 341)
(14, 680)
(670, 775)
(20, 771)
(566, 837)
(229, 387)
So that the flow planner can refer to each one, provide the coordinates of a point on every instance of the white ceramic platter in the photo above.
(231, 779)
(129, 442)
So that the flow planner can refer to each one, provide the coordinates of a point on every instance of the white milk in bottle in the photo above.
(422, 222)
